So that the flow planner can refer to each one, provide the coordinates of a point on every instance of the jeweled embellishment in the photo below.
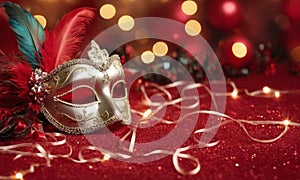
(38, 90)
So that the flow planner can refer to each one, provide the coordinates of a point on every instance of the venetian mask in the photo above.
(84, 95)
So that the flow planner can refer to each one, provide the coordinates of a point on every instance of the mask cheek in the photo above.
(124, 109)
(120, 100)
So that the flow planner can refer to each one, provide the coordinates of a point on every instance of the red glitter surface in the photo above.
(235, 157)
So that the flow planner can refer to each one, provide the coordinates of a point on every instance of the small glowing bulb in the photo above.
(147, 113)
(234, 94)
(147, 57)
(193, 27)
(239, 49)
(106, 157)
(41, 19)
(160, 48)
(266, 90)
(237, 164)
(19, 175)
(126, 22)
(189, 7)
(286, 122)
(107, 11)
(277, 94)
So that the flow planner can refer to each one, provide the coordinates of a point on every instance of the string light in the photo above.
(239, 49)
(41, 19)
(106, 157)
(286, 122)
(193, 27)
(160, 48)
(19, 175)
(266, 90)
(126, 23)
(277, 94)
(107, 11)
(147, 113)
(189, 7)
(147, 57)
(234, 94)
(58, 138)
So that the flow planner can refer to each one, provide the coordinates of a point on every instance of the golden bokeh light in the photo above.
(239, 49)
(160, 48)
(107, 11)
(189, 7)
(193, 27)
(282, 21)
(41, 19)
(295, 54)
(126, 22)
(147, 57)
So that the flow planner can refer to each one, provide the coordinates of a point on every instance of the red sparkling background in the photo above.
(236, 156)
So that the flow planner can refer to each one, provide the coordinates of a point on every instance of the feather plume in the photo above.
(29, 32)
(65, 40)
(14, 76)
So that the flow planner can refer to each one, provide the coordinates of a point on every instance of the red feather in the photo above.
(14, 78)
(65, 40)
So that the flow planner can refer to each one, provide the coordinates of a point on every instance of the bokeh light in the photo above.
(126, 23)
(282, 21)
(41, 19)
(189, 7)
(107, 11)
(193, 27)
(295, 54)
(239, 49)
(160, 48)
(229, 7)
(147, 57)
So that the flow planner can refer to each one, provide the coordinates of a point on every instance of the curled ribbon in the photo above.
(58, 139)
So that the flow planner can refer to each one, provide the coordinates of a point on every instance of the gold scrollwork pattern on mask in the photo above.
(74, 118)
(105, 78)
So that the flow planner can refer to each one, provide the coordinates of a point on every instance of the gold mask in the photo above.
(84, 95)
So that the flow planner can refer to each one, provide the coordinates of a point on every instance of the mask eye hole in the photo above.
(77, 95)
(119, 90)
